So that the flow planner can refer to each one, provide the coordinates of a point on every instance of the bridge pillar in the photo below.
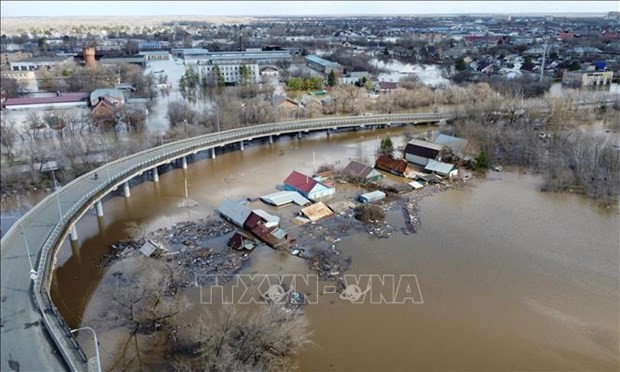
(298, 135)
(184, 162)
(99, 208)
(155, 175)
(101, 225)
(213, 153)
(73, 232)
(75, 249)
(241, 146)
(271, 140)
(328, 132)
(126, 191)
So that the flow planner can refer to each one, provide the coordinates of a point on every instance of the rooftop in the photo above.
(63, 98)
(285, 197)
(429, 145)
(234, 211)
(439, 167)
(457, 145)
(321, 61)
(300, 181)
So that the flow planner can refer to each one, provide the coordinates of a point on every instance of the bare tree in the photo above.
(232, 340)
(8, 133)
(143, 304)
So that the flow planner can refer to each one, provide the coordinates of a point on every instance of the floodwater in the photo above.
(511, 278)
(428, 74)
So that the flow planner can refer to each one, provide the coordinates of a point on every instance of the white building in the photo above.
(262, 58)
(587, 78)
(36, 63)
(231, 72)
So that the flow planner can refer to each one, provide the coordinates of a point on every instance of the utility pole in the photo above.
(542, 67)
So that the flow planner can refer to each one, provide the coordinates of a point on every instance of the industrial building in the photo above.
(587, 78)
(36, 63)
(322, 65)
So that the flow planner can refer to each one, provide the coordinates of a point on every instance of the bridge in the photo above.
(34, 335)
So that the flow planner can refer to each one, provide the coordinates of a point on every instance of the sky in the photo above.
(267, 8)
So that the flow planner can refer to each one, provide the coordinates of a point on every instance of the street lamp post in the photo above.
(57, 197)
(33, 272)
(105, 156)
(96, 344)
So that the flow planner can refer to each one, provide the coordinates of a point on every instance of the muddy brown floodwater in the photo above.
(511, 278)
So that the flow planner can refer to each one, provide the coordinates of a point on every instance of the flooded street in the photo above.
(510, 277)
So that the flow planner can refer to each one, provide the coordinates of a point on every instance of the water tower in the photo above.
(89, 56)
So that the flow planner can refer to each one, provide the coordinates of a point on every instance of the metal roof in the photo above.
(389, 164)
(457, 145)
(321, 61)
(63, 98)
(359, 170)
(439, 167)
(372, 196)
(428, 145)
(300, 182)
(279, 233)
(112, 92)
(284, 197)
(234, 211)
(270, 219)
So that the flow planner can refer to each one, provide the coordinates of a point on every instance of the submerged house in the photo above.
(308, 186)
(442, 169)
(398, 167)
(240, 241)
(456, 145)
(274, 236)
(235, 212)
(284, 197)
(420, 152)
(361, 172)
(262, 224)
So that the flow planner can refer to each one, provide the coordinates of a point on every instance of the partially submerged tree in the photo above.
(387, 147)
(233, 340)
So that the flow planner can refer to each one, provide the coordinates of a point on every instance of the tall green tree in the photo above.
(387, 147)
(331, 78)
(244, 74)
(219, 76)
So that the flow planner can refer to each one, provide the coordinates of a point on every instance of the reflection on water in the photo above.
(511, 277)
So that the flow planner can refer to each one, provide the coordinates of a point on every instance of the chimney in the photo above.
(89, 56)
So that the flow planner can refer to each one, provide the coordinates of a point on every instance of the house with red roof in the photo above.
(308, 186)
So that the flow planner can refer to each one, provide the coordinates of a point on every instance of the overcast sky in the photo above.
(266, 8)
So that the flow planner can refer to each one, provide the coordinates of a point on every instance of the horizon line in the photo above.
(312, 15)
